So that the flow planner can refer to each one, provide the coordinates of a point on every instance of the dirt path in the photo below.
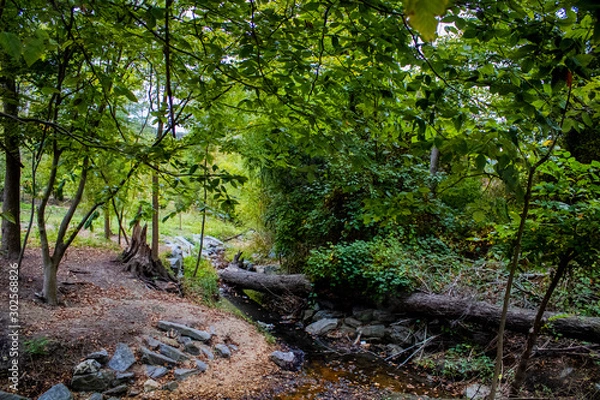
(104, 306)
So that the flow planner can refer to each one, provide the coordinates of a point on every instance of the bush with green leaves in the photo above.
(205, 285)
(381, 267)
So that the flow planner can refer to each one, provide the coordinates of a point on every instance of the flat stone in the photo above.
(322, 314)
(190, 345)
(87, 367)
(96, 396)
(122, 359)
(322, 326)
(284, 360)
(476, 391)
(172, 352)
(222, 350)
(352, 322)
(118, 390)
(155, 371)
(170, 386)
(182, 373)
(372, 331)
(201, 365)
(95, 382)
(151, 385)
(383, 316)
(363, 315)
(400, 335)
(207, 352)
(151, 342)
(57, 392)
(11, 396)
(233, 347)
(149, 357)
(122, 377)
(100, 356)
(185, 330)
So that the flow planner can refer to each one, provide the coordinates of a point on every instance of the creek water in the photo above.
(331, 374)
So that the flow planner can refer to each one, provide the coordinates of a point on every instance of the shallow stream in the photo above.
(331, 374)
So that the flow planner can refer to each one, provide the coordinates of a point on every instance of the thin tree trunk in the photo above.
(107, 232)
(513, 269)
(199, 258)
(521, 373)
(434, 161)
(11, 206)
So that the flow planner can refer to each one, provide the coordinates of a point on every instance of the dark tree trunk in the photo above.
(278, 284)
(11, 206)
(521, 373)
(517, 319)
(139, 261)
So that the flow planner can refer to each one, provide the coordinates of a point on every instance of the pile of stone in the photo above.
(364, 325)
(179, 353)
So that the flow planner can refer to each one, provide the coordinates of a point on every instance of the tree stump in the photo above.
(138, 260)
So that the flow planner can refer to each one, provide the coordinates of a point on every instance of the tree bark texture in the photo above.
(278, 284)
(518, 320)
(139, 261)
(11, 206)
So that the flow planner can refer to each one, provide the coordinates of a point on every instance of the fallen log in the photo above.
(277, 284)
(518, 319)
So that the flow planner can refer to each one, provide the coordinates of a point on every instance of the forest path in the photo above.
(103, 305)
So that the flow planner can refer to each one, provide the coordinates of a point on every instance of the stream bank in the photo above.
(332, 369)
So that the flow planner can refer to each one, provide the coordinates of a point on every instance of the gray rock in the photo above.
(96, 396)
(308, 315)
(352, 322)
(122, 377)
(190, 345)
(182, 373)
(170, 386)
(383, 316)
(476, 391)
(372, 331)
(95, 382)
(122, 359)
(151, 342)
(151, 385)
(285, 360)
(87, 367)
(172, 352)
(57, 392)
(185, 330)
(118, 390)
(100, 356)
(155, 371)
(207, 352)
(347, 330)
(222, 351)
(400, 335)
(11, 396)
(201, 365)
(322, 326)
(149, 357)
(363, 315)
(233, 347)
(322, 314)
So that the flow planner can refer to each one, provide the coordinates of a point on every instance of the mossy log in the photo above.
(278, 284)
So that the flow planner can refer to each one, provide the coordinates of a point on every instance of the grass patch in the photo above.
(203, 287)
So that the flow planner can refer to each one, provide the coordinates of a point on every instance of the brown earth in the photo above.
(102, 306)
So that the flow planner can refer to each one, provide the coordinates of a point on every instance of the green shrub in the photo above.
(384, 266)
(204, 286)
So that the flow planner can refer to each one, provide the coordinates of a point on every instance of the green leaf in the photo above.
(11, 44)
(422, 15)
(34, 50)
(479, 216)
